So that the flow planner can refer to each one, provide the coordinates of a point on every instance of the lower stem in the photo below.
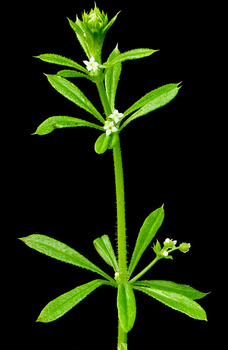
(121, 232)
(122, 338)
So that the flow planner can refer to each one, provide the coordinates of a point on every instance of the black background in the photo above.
(57, 185)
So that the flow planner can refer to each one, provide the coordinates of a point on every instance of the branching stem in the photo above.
(148, 267)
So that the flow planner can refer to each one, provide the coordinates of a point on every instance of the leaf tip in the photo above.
(39, 319)
(23, 239)
(179, 85)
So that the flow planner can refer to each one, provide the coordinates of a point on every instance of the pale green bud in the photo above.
(184, 247)
(117, 277)
(91, 31)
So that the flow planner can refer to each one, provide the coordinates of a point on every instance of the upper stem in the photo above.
(103, 97)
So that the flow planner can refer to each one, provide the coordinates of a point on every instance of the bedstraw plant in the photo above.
(90, 32)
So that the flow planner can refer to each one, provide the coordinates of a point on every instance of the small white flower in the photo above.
(170, 243)
(91, 65)
(109, 127)
(116, 116)
(165, 253)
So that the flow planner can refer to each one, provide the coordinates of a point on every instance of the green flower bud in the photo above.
(95, 20)
(184, 247)
(117, 277)
(91, 31)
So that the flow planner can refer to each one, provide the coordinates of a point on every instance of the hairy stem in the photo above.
(121, 231)
(122, 338)
(103, 97)
(120, 205)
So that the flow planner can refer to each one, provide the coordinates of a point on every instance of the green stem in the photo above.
(140, 274)
(121, 231)
(103, 97)
(120, 204)
(122, 338)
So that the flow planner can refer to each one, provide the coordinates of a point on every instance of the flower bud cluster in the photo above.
(91, 31)
(169, 246)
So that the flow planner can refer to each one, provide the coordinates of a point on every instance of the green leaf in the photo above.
(176, 301)
(112, 76)
(74, 94)
(110, 23)
(102, 143)
(169, 286)
(157, 248)
(59, 122)
(65, 302)
(104, 248)
(62, 252)
(68, 73)
(129, 55)
(151, 101)
(80, 36)
(114, 139)
(62, 61)
(146, 234)
(126, 305)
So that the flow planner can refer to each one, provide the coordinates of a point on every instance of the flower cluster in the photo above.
(169, 246)
(111, 124)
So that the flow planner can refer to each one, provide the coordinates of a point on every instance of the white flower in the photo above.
(109, 127)
(165, 253)
(91, 65)
(116, 116)
(170, 243)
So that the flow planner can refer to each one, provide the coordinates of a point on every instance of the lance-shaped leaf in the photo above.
(62, 61)
(146, 234)
(65, 302)
(80, 36)
(151, 101)
(62, 252)
(69, 73)
(173, 287)
(104, 248)
(110, 23)
(59, 122)
(126, 305)
(130, 55)
(112, 76)
(176, 301)
(74, 94)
